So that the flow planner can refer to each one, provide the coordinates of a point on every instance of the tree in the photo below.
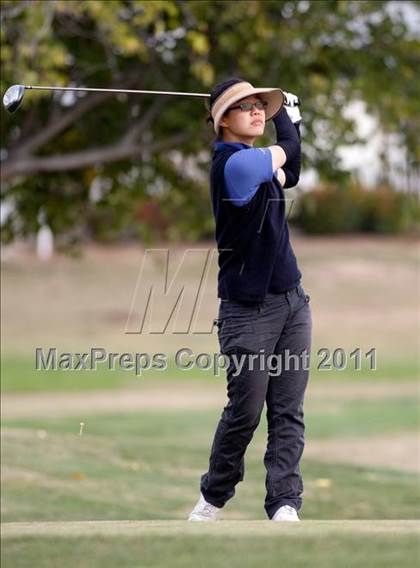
(93, 162)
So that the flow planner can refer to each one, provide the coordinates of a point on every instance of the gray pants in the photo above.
(277, 333)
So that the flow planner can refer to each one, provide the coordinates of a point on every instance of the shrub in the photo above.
(330, 209)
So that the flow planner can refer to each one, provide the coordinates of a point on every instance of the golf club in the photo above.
(13, 97)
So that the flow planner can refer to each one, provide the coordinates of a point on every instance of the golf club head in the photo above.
(12, 98)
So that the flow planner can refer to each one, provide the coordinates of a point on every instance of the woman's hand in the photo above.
(291, 104)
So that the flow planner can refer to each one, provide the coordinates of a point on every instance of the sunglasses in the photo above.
(260, 105)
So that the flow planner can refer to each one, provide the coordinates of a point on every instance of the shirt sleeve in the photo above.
(287, 135)
(292, 167)
(292, 174)
(245, 171)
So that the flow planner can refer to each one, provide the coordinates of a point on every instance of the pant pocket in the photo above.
(216, 322)
(235, 326)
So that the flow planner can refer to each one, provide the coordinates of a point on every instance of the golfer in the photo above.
(264, 312)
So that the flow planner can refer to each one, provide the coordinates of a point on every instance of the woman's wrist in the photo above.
(286, 134)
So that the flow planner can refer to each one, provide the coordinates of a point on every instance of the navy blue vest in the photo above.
(255, 255)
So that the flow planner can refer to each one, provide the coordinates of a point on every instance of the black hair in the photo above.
(215, 94)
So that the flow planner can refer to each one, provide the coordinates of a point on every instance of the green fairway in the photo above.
(344, 418)
(20, 375)
(120, 493)
(237, 544)
(123, 461)
(336, 528)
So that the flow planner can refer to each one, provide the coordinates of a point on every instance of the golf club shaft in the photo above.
(128, 91)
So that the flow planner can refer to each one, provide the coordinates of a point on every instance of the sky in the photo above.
(363, 159)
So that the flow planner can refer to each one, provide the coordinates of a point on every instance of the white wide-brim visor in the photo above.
(238, 91)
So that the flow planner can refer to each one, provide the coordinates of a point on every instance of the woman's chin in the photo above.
(257, 129)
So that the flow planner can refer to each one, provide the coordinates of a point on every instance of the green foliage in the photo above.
(329, 52)
(332, 209)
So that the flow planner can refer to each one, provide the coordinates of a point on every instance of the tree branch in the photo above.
(79, 160)
(144, 122)
(58, 124)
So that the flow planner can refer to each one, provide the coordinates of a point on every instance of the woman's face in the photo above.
(243, 126)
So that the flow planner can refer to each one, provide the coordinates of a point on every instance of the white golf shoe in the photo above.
(203, 511)
(286, 513)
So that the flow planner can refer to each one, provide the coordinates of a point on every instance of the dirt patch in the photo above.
(83, 301)
(399, 451)
(364, 389)
(147, 397)
(178, 395)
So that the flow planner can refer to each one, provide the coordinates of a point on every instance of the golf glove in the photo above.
(291, 104)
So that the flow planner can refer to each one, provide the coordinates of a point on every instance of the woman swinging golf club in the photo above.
(263, 306)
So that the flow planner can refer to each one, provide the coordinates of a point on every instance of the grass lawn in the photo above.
(19, 374)
(147, 465)
(309, 544)
(119, 494)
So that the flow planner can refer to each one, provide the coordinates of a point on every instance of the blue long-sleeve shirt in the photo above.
(245, 171)
(248, 168)
(255, 254)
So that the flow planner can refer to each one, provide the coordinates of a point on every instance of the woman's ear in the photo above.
(223, 123)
